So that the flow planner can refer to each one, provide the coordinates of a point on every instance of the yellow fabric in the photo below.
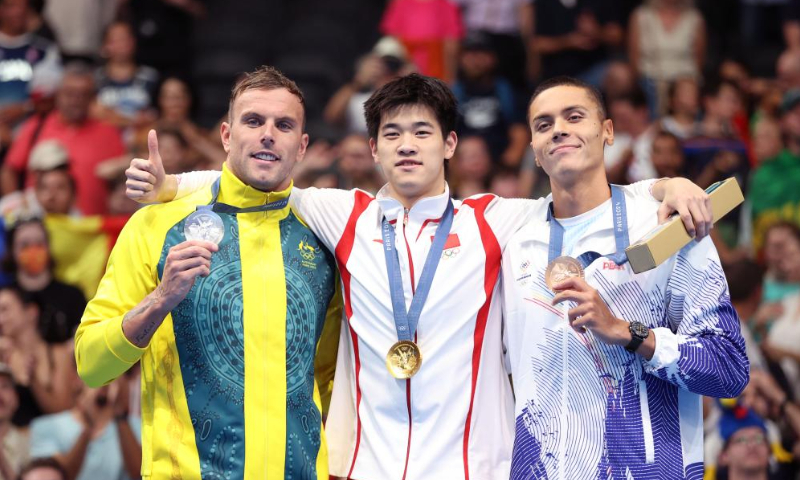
(264, 298)
(327, 348)
(79, 248)
(103, 353)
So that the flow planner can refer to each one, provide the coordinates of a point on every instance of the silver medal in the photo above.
(204, 224)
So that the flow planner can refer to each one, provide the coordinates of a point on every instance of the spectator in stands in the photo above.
(717, 151)
(666, 41)
(746, 453)
(386, 61)
(21, 56)
(125, 90)
(619, 80)
(49, 167)
(773, 193)
(13, 440)
(30, 262)
(787, 70)
(488, 104)
(430, 31)
(471, 168)
(781, 279)
(355, 165)
(684, 106)
(46, 468)
(40, 370)
(576, 37)
(87, 141)
(175, 108)
(505, 183)
(767, 140)
(628, 159)
(509, 26)
(98, 438)
(667, 156)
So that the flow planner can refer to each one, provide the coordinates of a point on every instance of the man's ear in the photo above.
(373, 146)
(608, 131)
(450, 144)
(225, 135)
(301, 153)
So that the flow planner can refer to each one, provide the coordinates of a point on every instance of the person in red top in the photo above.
(430, 30)
(88, 141)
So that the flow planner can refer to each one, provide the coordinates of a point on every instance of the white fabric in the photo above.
(607, 392)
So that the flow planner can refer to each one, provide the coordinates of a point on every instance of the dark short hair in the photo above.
(411, 90)
(565, 81)
(46, 462)
(266, 77)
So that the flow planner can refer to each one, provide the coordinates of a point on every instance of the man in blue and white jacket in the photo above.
(609, 369)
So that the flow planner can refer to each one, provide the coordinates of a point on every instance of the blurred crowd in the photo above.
(705, 90)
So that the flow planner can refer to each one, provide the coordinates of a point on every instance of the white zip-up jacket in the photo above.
(455, 418)
(588, 410)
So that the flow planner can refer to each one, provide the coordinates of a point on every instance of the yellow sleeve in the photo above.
(328, 347)
(102, 351)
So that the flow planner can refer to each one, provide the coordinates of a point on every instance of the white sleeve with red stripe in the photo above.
(326, 211)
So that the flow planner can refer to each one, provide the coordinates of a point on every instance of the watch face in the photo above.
(639, 329)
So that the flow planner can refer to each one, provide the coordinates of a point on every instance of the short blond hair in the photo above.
(265, 77)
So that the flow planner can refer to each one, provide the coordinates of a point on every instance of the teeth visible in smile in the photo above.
(265, 156)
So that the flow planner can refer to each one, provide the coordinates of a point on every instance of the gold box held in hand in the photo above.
(668, 238)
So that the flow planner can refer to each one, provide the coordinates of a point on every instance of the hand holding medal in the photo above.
(558, 271)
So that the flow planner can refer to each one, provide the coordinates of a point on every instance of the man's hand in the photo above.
(185, 262)
(690, 202)
(147, 182)
(592, 313)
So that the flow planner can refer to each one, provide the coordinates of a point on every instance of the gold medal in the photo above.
(560, 269)
(403, 359)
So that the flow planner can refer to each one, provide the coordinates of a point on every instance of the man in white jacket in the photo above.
(609, 367)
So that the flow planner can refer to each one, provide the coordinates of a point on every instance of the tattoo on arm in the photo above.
(140, 333)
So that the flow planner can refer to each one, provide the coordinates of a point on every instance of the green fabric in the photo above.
(775, 194)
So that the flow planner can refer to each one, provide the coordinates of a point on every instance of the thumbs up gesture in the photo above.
(146, 177)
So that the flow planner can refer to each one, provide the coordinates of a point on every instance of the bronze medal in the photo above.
(403, 359)
(560, 269)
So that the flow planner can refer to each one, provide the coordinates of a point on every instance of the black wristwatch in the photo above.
(639, 333)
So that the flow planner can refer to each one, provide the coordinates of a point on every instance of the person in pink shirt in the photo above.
(88, 141)
(430, 30)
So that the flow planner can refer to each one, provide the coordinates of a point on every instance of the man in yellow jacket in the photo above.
(226, 333)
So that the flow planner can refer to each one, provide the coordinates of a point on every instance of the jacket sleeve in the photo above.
(328, 348)
(702, 350)
(102, 351)
(191, 182)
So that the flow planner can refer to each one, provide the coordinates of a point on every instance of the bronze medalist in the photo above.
(403, 359)
(560, 269)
